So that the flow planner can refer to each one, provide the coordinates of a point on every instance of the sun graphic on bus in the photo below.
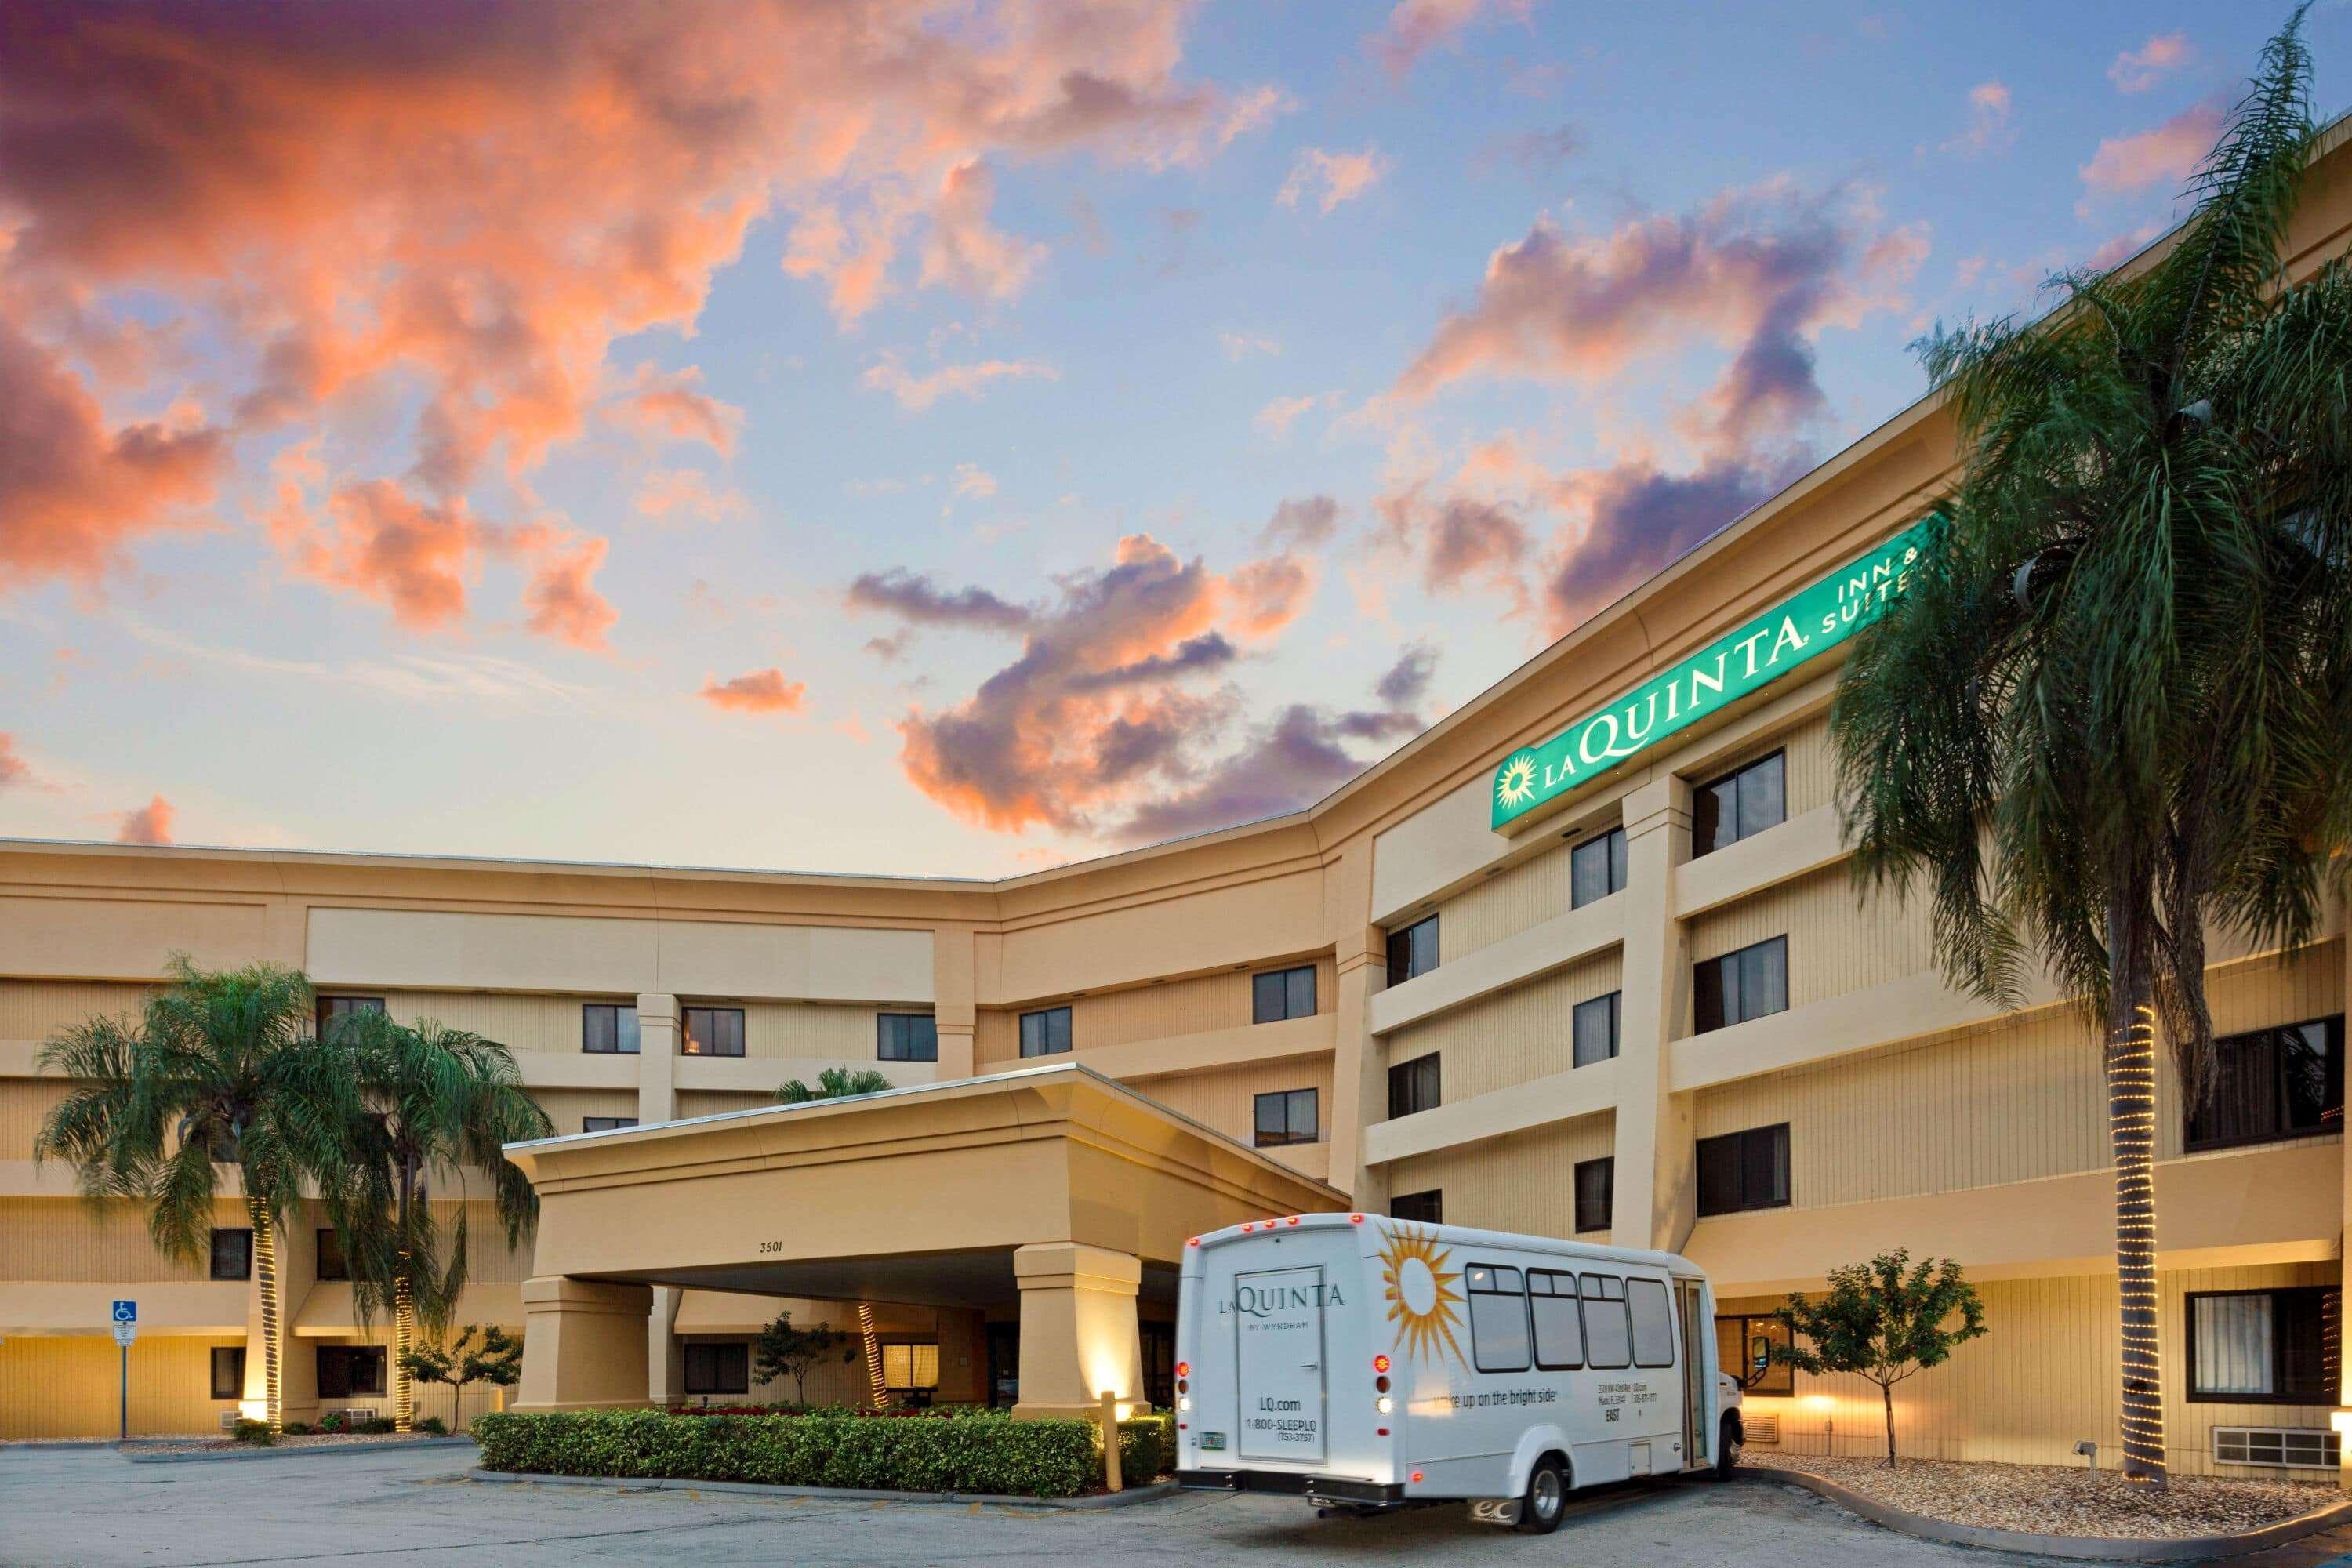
(1421, 1293)
(1515, 784)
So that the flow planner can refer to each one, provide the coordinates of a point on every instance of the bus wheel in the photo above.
(1546, 1503)
(1726, 1448)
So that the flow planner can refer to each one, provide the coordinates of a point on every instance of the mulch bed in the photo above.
(2050, 1499)
(309, 1440)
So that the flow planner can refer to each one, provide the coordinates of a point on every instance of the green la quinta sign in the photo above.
(1758, 653)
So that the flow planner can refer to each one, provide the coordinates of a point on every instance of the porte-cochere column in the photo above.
(583, 1344)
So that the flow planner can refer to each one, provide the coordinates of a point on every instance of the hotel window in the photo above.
(1412, 1086)
(2273, 1083)
(1596, 1194)
(1420, 1208)
(1738, 805)
(1283, 994)
(605, 1123)
(713, 1032)
(228, 1371)
(1743, 1347)
(906, 1037)
(1593, 1027)
(1596, 869)
(1412, 951)
(346, 1370)
(608, 1028)
(232, 1254)
(1749, 983)
(330, 1257)
(905, 1368)
(333, 1010)
(1046, 1033)
(1287, 1116)
(1498, 1319)
(718, 1369)
(2264, 1347)
(1744, 1171)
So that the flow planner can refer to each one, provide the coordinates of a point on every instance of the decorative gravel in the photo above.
(2050, 1499)
(310, 1440)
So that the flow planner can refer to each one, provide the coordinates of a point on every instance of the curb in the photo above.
(2090, 1548)
(218, 1456)
(838, 1494)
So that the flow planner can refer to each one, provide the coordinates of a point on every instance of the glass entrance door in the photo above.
(1004, 1365)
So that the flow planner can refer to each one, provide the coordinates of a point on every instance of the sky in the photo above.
(949, 438)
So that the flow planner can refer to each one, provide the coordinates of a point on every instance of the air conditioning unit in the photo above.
(357, 1415)
(1759, 1428)
(2291, 1448)
(230, 1417)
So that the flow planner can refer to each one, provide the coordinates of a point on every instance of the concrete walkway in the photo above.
(69, 1507)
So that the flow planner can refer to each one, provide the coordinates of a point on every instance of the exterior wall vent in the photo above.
(1763, 1429)
(2293, 1447)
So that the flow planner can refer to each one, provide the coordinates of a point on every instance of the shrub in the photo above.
(433, 1425)
(376, 1428)
(1147, 1448)
(971, 1451)
(257, 1433)
(296, 1430)
(334, 1421)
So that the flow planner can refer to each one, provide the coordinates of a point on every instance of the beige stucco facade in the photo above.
(1918, 1116)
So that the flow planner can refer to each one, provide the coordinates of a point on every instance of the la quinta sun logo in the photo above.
(1515, 786)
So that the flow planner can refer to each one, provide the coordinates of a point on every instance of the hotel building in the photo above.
(1625, 988)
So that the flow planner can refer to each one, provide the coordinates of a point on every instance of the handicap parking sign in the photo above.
(126, 1311)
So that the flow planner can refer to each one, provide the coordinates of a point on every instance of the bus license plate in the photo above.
(1213, 1442)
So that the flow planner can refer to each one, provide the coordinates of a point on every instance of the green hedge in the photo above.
(982, 1452)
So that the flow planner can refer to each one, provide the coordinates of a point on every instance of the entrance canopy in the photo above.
(1050, 1186)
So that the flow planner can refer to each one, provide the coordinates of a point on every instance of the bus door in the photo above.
(1699, 1388)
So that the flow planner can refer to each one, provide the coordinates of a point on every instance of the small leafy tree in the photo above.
(782, 1351)
(1884, 1319)
(833, 1083)
(497, 1361)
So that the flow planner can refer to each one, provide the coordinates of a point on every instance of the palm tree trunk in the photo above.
(403, 1313)
(872, 1356)
(2131, 1130)
(265, 1274)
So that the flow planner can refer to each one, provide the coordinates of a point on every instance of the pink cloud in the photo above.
(562, 598)
(919, 392)
(1416, 26)
(1280, 414)
(1343, 176)
(2166, 155)
(673, 406)
(964, 252)
(149, 824)
(2137, 70)
(13, 768)
(762, 691)
(1988, 126)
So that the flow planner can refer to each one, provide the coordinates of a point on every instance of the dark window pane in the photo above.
(1738, 805)
(1587, 873)
(1596, 1184)
(1593, 1030)
(1298, 988)
(2273, 1083)
(1707, 996)
(1498, 1319)
(718, 1369)
(1706, 818)
(1743, 1351)
(232, 1254)
(923, 1038)
(1617, 860)
(1273, 1120)
(1266, 999)
(606, 1026)
(2306, 1332)
(1412, 1086)
(714, 1032)
(1304, 1118)
(228, 1371)
(1046, 1033)
(1412, 951)
(1420, 1208)
(605, 1123)
(330, 1257)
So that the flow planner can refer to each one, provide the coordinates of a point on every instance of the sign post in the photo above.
(126, 1330)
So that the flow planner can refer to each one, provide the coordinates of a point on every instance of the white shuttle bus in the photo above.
(1364, 1363)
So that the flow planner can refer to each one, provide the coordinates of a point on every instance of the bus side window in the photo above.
(1608, 1337)
(1498, 1319)
(1653, 1324)
(1559, 1331)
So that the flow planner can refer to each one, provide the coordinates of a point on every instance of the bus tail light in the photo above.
(1379, 1364)
(1183, 1369)
(1416, 1477)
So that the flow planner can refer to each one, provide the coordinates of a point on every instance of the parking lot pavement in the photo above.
(90, 1507)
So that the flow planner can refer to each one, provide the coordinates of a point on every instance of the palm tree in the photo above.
(833, 1083)
(2111, 708)
(438, 1100)
(221, 1068)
